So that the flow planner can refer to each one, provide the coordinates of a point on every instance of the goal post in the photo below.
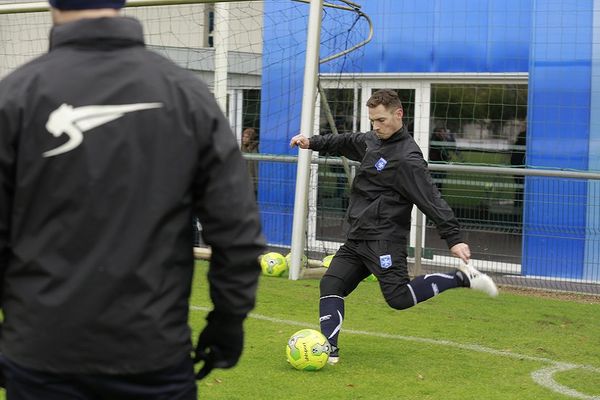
(42, 6)
(311, 71)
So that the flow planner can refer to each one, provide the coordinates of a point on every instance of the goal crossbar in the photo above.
(42, 6)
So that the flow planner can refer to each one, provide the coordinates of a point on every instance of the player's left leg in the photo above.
(345, 272)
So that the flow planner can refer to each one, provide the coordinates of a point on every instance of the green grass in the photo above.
(532, 332)
(580, 380)
(392, 368)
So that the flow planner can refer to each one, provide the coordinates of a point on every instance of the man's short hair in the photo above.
(385, 97)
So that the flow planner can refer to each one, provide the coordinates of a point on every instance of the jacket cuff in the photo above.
(313, 142)
(454, 240)
(225, 317)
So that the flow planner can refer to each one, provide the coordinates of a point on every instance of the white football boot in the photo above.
(334, 356)
(479, 281)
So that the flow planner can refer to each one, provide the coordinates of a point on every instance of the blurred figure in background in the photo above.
(442, 149)
(107, 152)
(250, 145)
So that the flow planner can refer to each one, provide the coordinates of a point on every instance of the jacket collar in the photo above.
(398, 135)
(94, 30)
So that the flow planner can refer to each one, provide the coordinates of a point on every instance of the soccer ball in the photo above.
(273, 264)
(308, 350)
(288, 258)
(327, 260)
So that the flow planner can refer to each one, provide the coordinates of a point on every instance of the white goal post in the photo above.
(311, 72)
(41, 6)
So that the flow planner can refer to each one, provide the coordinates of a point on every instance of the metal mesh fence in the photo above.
(497, 210)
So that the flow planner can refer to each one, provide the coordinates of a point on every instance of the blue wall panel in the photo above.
(448, 36)
(403, 36)
(460, 42)
(509, 33)
(282, 82)
(557, 137)
(591, 269)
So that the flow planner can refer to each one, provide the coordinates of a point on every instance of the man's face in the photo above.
(385, 122)
(247, 136)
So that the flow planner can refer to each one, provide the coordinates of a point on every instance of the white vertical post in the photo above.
(419, 230)
(239, 118)
(421, 135)
(311, 69)
(221, 43)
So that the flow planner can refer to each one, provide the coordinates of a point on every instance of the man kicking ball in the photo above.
(392, 177)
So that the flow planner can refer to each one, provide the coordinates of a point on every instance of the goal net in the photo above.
(482, 84)
(249, 53)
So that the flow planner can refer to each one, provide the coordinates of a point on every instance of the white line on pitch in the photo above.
(543, 377)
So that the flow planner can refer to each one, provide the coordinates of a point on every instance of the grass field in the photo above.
(460, 345)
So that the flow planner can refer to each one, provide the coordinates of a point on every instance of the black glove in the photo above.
(2, 377)
(221, 342)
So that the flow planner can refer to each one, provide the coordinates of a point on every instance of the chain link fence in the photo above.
(527, 227)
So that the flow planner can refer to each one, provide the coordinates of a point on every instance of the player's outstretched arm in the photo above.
(300, 141)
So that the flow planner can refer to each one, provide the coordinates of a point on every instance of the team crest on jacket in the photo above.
(380, 164)
(385, 261)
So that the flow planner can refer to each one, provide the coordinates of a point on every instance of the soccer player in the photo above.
(107, 152)
(392, 177)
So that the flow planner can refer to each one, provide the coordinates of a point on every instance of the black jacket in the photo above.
(107, 151)
(392, 176)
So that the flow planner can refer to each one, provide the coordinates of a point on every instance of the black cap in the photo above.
(85, 4)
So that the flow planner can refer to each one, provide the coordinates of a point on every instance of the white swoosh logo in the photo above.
(74, 121)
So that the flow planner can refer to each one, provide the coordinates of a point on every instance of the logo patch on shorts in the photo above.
(385, 261)
(380, 164)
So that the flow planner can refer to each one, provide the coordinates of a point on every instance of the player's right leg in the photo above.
(345, 272)
(387, 261)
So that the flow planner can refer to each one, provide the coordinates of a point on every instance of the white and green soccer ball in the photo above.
(288, 258)
(327, 260)
(308, 350)
(273, 264)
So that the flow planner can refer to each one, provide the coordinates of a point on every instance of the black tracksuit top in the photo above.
(107, 151)
(392, 176)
